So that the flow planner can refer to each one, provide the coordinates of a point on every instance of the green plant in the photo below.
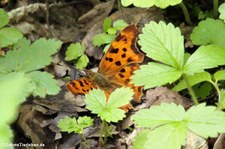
(18, 73)
(108, 109)
(109, 32)
(69, 125)
(164, 44)
(222, 11)
(8, 35)
(158, 45)
(75, 53)
(170, 124)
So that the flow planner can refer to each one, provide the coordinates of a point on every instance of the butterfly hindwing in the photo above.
(80, 86)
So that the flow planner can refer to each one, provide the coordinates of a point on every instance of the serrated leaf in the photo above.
(120, 24)
(202, 34)
(112, 115)
(192, 80)
(221, 104)
(219, 75)
(163, 43)
(155, 74)
(150, 3)
(74, 51)
(43, 83)
(205, 121)
(203, 58)
(107, 24)
(4, 18)
(14, 88)
(159, 115)
(110, 112)
(85, 121)
(103, 38)
(82, 62)
(106, 48)
(69, 125)
(9, 36)
(120, 97)
(95, 101)
(170, 136)
(222, 11)
(30, 58)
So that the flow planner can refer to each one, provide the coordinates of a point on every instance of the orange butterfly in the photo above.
(115, 69)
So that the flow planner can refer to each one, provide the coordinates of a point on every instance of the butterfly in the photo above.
(115, 69)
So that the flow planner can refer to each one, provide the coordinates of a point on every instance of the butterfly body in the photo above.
(115, 68)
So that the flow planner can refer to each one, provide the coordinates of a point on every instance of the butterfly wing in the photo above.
(123, 78)
(122, 51)
(80, 86)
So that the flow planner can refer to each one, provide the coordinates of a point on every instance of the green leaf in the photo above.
(107, 24)
(171, 137)
(14, 88)
(111, 31)
(155, 74)
(43, 83)
(95, 101)
(4, 18)
(85, 121)
(209, 31)
(120, 97)
(222, 11)
(202, 90)
(192, 80)
(163, 43)
(103, 38)
(74, 51)
(141, 139)
(219, 75)
(120, 24)
(203, 58)
(221, 104)
(82, 62)
(110, 112)
(29, 58)
(205, 121)
(150, 3)
(69, 125)
(159, 115)
(6, 136)
(170, 124)
(9, 36)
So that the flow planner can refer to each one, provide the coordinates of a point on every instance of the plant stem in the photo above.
(186, 13)
(190, 90)
(216, 87)
(215, 8)
(84, 139)
(102, 132)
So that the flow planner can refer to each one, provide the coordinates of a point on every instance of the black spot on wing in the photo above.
(123, 55)
(118, 63)
(114, 51)
(110, 59)
(124, 49)
(122, 70)
(81, 83)
(129, 59)
(121, 75)
(86, 82)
